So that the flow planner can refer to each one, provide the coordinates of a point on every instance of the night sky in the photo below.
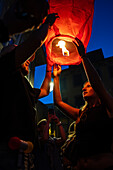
(102, 29)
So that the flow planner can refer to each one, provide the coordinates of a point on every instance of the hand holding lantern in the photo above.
(56, 70)
(51, 18)
(80, 47)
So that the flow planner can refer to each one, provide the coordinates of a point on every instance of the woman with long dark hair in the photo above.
(92, 146)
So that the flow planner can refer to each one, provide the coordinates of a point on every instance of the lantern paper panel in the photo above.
(76, 17)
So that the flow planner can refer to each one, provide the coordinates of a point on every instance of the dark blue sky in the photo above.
(102, 29)
(101, 37)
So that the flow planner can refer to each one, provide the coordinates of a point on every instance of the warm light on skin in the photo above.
(51, 86)
(61, 44)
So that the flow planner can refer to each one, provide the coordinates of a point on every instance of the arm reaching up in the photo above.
(36, 39)
(64, 107)
(61, 129)
(45, 87)
(95, 79)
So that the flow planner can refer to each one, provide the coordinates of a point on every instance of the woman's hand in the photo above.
(80, 47)
(56, 70)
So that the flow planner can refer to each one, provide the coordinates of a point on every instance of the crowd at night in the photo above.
(32, 139)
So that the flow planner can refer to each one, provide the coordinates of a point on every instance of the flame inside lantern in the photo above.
(61, 44)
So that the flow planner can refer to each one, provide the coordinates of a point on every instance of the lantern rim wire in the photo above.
(55, 53)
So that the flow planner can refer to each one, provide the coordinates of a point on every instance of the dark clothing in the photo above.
(94, 132)
(93, 135)
(48, 156)
(4, 34)
(17, 115)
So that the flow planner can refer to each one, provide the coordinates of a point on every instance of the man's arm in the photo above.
(45, 87)
(22, 15)
(36, 39)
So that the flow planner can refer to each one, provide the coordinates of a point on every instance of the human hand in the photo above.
(51, 18)
(56, 70)
(80, 47)
(55, 118)
(49, 117)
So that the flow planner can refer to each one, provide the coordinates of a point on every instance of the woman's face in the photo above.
(88, 92)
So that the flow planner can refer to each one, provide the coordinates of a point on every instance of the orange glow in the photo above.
(61, 44)
(76, 17)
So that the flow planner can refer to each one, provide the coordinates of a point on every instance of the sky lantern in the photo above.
(76, 17)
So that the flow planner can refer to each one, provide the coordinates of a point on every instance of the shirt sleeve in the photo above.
(36, 92)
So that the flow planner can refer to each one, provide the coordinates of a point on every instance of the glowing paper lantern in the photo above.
(76, 17)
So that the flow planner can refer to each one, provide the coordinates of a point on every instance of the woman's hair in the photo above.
(72, 128)
(84, 106)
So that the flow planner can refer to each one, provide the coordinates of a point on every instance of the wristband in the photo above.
(59, 123)
(48, 70)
